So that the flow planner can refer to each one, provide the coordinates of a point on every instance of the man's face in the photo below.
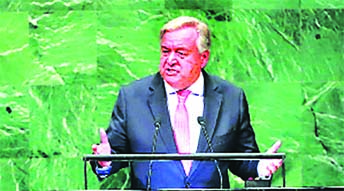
(180, 61)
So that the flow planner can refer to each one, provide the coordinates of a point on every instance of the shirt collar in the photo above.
(197, 88)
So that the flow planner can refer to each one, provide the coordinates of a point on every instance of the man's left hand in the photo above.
(266, 167)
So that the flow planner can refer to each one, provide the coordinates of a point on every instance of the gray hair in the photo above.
(203, 40)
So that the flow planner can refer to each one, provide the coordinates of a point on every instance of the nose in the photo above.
(171, 59)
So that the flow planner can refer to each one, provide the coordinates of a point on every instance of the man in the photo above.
(177, 95)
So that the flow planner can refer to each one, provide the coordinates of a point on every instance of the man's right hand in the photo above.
(102, 148)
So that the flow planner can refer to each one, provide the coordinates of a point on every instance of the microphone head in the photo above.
(157, 122)
(201, 120)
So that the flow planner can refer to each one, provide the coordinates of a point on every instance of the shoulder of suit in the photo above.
(223, 84)
(140, 84)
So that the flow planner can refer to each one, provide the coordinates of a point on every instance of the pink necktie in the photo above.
(181, 128)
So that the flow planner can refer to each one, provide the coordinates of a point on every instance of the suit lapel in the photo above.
(157, 103)
(212, 104)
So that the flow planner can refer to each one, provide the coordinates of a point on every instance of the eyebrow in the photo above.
(178, 48)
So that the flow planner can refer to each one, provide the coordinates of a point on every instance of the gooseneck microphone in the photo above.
(157, 125)
(202, 123)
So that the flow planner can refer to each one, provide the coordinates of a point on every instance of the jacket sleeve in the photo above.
(116, 133)
(246, 143)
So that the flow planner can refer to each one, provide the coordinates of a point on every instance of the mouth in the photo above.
(171, 72)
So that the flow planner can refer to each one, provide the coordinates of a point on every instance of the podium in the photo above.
(193, 156)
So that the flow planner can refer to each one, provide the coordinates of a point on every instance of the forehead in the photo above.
(181, 37)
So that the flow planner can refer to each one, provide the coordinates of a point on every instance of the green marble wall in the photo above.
(62, 63)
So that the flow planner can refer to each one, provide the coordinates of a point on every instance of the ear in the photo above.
(205, 57)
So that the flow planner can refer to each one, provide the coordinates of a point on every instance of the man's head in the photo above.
(185, 43)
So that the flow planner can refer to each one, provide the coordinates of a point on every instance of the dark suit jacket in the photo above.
(228, 125)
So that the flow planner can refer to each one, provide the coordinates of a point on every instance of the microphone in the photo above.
(157, 125)
(202, 123)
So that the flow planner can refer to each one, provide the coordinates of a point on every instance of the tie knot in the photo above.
(183, 95)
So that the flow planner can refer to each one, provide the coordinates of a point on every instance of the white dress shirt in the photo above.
(194, 104)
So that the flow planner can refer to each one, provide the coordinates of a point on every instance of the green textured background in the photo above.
(62, 63)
